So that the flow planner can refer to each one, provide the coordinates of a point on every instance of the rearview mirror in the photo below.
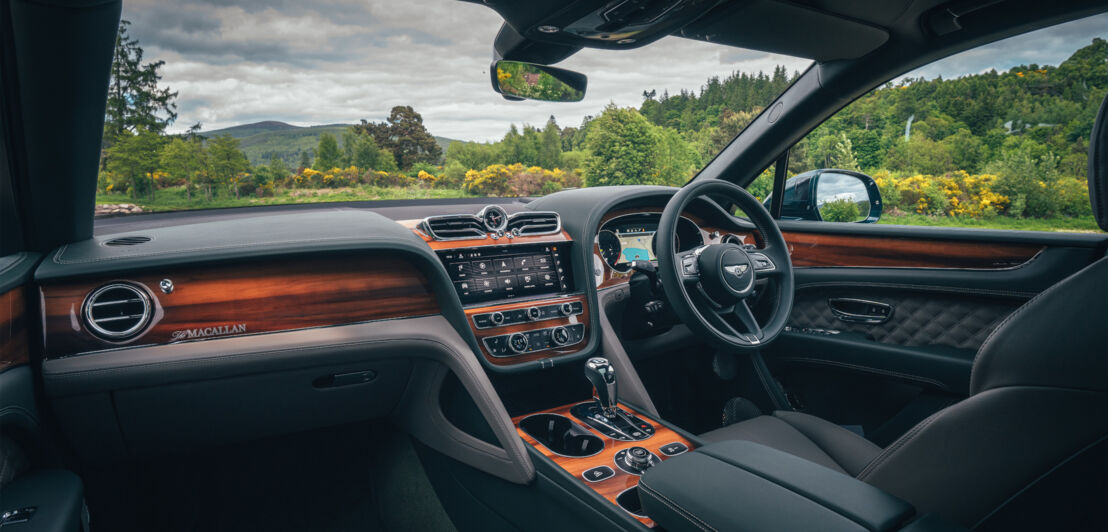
(517, 80)
(831, 195)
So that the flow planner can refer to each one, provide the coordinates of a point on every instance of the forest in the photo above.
(996, 149)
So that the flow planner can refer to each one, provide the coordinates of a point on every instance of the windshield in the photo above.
(215, 105)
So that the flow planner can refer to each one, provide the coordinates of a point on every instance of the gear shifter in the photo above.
(603, 377)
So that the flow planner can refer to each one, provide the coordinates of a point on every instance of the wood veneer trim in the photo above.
(14, 348)
(264, 297)
(611, 487)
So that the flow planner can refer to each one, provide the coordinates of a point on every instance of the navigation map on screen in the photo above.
(635, 246)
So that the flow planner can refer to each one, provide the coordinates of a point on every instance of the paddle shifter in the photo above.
(603, 378)
(604, 413)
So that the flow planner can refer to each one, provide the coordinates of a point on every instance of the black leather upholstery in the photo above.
(1098, 166)
(743, 485)
(806, 436)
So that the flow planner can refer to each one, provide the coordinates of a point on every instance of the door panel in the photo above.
(887, 373)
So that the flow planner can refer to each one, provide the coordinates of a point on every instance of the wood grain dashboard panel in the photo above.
(262, 297)
(522, 327)
(14, 350)
(816, 249)
(835, 250)
(611, 487)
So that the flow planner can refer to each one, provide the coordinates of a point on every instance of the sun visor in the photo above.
(788, 29)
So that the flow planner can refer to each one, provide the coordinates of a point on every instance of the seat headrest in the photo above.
(1058, 339)
(1098, 166)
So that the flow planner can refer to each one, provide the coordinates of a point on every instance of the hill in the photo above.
(261, 140)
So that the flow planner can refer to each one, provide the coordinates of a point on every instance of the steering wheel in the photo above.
(708, 287)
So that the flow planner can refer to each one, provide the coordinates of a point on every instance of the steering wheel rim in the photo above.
(706, 285)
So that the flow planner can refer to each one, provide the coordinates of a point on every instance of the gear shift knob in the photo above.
(603, 377)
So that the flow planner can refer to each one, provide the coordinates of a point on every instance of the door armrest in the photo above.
(57, 497)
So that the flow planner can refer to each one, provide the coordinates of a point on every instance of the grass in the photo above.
(1080, 224)
(174, 199)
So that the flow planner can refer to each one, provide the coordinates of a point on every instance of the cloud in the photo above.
(338, 61)
(1049, 46)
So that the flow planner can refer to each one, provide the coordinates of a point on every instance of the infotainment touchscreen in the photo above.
(507, 272)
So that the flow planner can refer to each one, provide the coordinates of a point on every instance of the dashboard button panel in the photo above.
(521, 343)
(526, 315)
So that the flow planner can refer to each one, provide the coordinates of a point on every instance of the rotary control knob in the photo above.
(496, 318)
(559, 335)
(518, 343)
(566, 309)
(637, 458)
(534, 314)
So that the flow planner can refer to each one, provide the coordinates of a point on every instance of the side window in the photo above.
(987, 138)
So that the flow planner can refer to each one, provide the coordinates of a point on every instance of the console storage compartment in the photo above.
(741, 485)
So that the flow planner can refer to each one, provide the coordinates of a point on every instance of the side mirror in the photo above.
(831, 195)
(517, 80)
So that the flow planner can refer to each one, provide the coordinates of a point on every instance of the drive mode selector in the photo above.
(559, 335)
(518, 343)
(636, 460)
(534, 313)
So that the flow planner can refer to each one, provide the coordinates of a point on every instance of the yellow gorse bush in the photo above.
(955, 194)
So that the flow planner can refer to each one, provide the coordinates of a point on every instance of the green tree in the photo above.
(366, 152)
(134, 98)
(843, 154)
(184, 160)
(550, 145)
(134, 156)
(305, 159)
(623, 149)
(676, 159)
(404, 135)
(327, 155)
(277, 168)
(228, 163)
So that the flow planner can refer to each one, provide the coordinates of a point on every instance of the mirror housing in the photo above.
(517, 80)
(831, 195)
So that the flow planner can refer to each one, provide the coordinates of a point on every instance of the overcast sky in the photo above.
(338, 61)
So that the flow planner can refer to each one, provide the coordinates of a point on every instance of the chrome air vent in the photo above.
(117, 311)
(127, 241)
(534, 223)
(454, 227)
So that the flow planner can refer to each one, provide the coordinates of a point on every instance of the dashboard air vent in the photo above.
(535, 223)
(127, 241)
(117, 311)
(460, 227)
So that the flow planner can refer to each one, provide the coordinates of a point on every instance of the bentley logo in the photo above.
(736, 270)
(205, 332)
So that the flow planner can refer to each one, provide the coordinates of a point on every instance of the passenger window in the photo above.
(995, 137)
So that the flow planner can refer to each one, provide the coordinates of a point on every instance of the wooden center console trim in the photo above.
(530, 326)
(14, 350)
(264, 297)
(612, 487)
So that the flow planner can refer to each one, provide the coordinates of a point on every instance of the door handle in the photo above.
(860, 310)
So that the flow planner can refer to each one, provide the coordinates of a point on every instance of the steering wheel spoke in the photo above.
(753, 333)
(687, 268)
(766, 262)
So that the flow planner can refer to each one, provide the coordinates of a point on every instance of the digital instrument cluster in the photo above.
(631, 237)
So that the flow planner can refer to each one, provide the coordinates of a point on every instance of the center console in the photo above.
(514, 277)
(605, 445)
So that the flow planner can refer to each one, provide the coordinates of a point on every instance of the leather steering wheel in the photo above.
(708, 286)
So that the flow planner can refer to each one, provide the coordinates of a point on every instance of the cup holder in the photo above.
(561, 435)
(629, 500)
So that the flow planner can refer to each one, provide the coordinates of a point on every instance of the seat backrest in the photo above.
(1029, 447)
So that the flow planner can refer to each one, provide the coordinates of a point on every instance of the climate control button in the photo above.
(559, 335)
(518, 342)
